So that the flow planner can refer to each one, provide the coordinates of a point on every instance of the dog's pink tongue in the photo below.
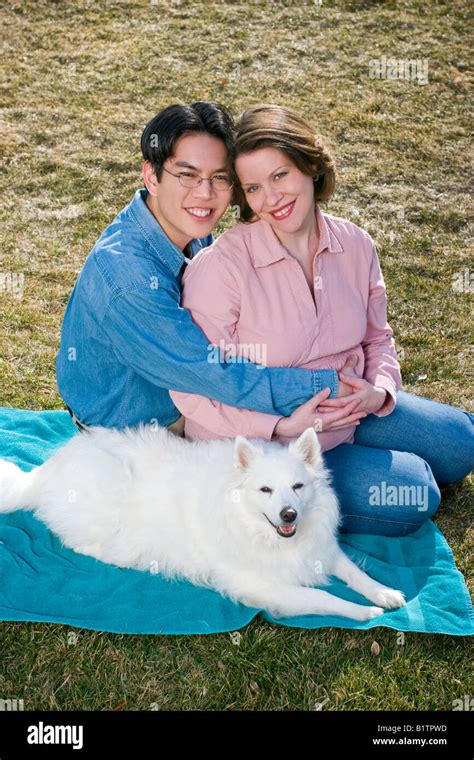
(287, 528)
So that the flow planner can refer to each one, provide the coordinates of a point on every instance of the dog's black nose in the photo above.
(288, 514)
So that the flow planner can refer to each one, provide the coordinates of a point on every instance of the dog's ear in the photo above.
(307, 447)
(244, 453)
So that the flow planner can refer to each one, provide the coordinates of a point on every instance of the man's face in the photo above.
(187, 213)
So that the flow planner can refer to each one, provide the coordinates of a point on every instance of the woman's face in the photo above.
(275, 189)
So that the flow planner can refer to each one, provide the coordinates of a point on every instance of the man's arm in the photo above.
(151, 333)
(222, 420)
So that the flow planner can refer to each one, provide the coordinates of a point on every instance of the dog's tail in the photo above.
(16, 487)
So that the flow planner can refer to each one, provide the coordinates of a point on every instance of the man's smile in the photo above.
(199, 213)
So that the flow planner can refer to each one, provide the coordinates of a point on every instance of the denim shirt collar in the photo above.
(168, 253)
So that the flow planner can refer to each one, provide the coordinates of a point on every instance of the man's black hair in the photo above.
(162, 132)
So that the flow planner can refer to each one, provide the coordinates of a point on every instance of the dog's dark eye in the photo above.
(297, 485)
(266, 489)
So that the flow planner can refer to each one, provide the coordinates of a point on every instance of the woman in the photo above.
(291, 285)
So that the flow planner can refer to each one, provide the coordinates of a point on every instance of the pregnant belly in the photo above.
(291, 350)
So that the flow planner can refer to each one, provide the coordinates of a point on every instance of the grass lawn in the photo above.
(80, 80)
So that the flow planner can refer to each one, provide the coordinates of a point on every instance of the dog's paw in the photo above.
(367, 613)
(389, 598)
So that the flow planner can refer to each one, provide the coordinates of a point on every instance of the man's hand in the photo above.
(345, 389)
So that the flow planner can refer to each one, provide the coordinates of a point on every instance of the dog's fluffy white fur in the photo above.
(147, 499)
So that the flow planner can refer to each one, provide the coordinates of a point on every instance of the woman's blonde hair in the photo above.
(272, 126)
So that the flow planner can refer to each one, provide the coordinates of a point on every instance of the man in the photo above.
(125, 339)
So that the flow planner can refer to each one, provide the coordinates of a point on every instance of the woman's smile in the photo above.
(283, 211)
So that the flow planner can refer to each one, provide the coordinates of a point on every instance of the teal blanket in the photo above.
(43, 581)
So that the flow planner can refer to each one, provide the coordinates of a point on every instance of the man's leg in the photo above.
(440, 434)
(382, 492)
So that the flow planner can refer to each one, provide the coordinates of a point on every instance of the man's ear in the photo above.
(244, 453)
(307, 448)
(149, 176)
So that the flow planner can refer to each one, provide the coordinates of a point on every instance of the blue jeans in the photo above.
(387, 480)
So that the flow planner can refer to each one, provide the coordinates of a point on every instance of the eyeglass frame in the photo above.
(201, 180)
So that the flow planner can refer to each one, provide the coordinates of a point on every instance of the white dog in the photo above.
(253, 520)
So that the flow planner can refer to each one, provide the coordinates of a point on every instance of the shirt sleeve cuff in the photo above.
(391, 397)
(325, 378)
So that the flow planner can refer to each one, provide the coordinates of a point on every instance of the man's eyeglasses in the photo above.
(191, 179)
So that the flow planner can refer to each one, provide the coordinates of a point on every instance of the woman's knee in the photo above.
(442, 434)
(454, 459)
(459, 447)
(420, 492)
(386, 492)
(409, 494)
(397, 503)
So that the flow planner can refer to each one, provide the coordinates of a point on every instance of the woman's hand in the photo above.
(308, 415)
(370, 398)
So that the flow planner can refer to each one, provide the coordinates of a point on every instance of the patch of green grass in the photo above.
(80, 82)
(54, 668)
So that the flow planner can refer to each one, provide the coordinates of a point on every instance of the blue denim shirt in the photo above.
(126, 341)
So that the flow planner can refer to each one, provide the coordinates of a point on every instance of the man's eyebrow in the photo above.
(185, 165)
(244, 184)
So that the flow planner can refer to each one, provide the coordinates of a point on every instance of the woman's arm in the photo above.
(382, 369)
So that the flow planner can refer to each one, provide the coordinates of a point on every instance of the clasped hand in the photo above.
(370, 397)
(356, 399)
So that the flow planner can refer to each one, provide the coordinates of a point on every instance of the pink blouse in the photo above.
(251, 298)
